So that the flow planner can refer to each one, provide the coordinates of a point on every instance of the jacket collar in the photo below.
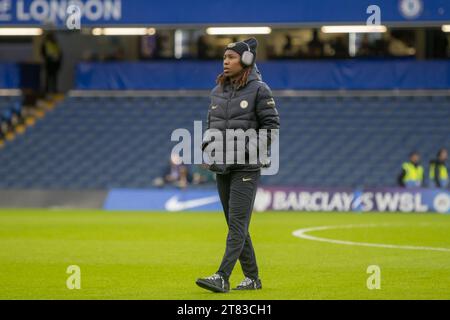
(254, 74)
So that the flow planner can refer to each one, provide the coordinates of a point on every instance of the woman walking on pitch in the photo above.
(240, 100)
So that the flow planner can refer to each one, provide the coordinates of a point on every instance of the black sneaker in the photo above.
(215, 283)
(249, 284)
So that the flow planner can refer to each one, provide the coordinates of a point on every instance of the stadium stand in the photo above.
(336, 141)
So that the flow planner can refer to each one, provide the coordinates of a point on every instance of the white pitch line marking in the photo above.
(302, 233)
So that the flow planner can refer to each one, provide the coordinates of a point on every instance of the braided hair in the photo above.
(241, 81)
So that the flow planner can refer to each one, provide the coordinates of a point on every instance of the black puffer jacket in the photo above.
(249, 107)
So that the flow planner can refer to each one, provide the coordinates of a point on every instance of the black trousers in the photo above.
(237, 191)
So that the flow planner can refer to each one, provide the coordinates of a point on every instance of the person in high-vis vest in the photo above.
(438, 174)
(412, 172)
(52, 55)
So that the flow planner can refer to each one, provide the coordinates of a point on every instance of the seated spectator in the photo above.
(175, 174)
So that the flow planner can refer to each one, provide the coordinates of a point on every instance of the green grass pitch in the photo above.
(129, 255)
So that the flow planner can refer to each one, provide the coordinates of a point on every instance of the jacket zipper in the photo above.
(226, 111)
(228, 104)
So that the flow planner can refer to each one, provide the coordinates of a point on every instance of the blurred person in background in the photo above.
(315, 46)
(340, 47)
(52, 55)
(19, 114)
(183, 177)
(288, 48)
(438, 173)
(411, 175)
(175, 174)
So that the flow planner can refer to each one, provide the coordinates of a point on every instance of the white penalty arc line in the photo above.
(302, 233)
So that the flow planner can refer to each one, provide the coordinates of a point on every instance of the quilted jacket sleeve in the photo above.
(266, 110)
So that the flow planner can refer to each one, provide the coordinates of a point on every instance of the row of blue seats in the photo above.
(125, 142)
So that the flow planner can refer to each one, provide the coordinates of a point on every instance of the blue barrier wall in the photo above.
(9, 76)
(286, 199)
(20, 76)
(300, 75)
